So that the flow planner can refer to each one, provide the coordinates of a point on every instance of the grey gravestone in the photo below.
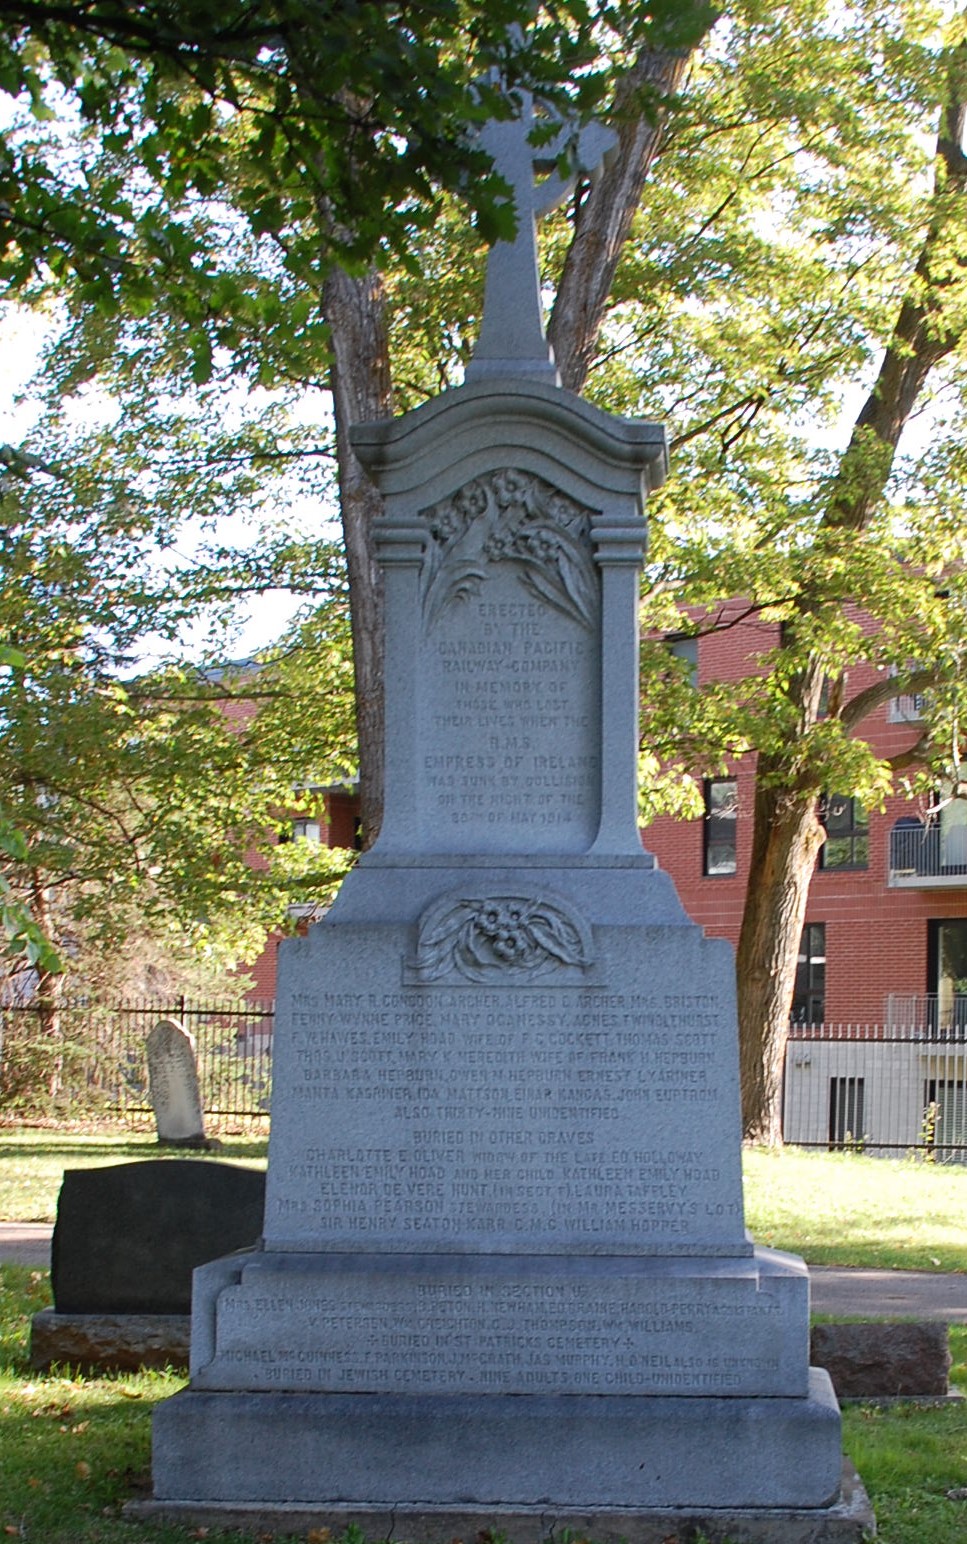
(505, 1264)
(173, 1085)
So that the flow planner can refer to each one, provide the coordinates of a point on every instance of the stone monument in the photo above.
(504, 1274)
(173, 1086)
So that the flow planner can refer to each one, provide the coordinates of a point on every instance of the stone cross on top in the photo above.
(512, 338)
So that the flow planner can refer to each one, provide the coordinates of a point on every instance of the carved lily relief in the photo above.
(510, 516)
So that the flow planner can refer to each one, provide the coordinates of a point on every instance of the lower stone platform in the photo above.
(449, 1451)
(848, 1520)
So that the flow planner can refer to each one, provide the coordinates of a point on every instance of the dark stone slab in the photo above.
(127, 1238)
(878, 1360)
(117, 1342)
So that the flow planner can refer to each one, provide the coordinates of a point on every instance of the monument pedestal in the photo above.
(504, 1261)
(847, 1521)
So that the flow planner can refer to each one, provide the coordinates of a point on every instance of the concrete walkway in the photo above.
(854, 1293)
(25, 1243)
(859, 1293)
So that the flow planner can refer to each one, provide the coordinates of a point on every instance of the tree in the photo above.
(798, 244)
(361, 108)
(332, 133)
(849, 280)
(144, 801)
(794, 231)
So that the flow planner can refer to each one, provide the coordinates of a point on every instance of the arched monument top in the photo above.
(490, 418)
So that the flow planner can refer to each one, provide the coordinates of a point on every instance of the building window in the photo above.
(307, 830)
(953, 831)
(682, 647)
(908, 707)
(911, 708)
(947, 957)
(809, 997)
(721, 819)
(845, 1111)
(847, 844)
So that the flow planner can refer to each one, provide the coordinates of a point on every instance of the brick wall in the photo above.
(876, 937)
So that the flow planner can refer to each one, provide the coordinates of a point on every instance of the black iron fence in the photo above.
(88, 1057)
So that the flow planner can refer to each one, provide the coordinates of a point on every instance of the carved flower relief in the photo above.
(509, 937)
(511, 487)
(510, 516)
(470, 501)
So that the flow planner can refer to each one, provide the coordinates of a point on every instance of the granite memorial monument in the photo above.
(504, 1272)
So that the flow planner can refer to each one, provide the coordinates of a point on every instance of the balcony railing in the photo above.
(926, 1015)
(925, 857)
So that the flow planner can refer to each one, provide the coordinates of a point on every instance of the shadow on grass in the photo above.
(233, 1147)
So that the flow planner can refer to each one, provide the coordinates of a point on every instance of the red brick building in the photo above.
(885, 941)
(334, 822)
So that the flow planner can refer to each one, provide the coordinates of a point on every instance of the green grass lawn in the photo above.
(845, 1209)
(32, 1162)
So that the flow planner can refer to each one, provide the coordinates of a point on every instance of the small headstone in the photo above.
(128, 1237)
(173, 1085)
(882, 1360)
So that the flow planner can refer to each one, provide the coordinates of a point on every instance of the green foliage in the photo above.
(766, 274)
(148, 800)
(338, 126)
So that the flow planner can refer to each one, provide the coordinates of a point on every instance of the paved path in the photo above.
(867, 1294)
(25, 1243)
(855, 1292)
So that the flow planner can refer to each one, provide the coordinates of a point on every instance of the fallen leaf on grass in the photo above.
(82, 1469)
(318, 1536)
(129, 1393)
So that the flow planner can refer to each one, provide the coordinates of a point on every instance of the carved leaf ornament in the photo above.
(510, 516)
(500, 937)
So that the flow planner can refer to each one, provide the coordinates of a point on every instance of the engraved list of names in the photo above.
(499, 1114)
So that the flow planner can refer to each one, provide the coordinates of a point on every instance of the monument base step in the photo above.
(847, 1520)
(505, 1451)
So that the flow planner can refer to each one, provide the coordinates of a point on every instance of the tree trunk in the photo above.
(50, 991)
(603, 220)
(786, 837)
(361, 392)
